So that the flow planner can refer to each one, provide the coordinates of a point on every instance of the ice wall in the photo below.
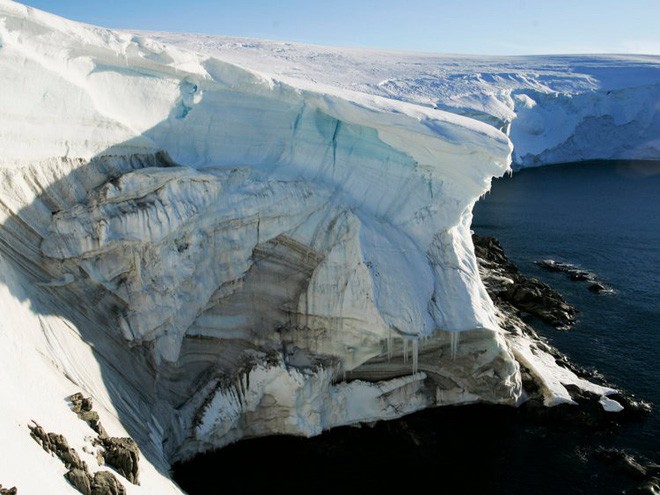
(407, 175)
(232, 247)
(621, 123)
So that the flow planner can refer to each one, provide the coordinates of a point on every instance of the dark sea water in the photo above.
(601, 216)
(605, 218)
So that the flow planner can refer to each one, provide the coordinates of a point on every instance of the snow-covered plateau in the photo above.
(218, 239)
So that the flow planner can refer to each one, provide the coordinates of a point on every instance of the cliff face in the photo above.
(232, 256)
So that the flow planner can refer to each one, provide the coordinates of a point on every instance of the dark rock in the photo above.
(58, 442)
(87, 404)
(80, 479)
(98, 428)
(580, 276)
(632, 407)
(636, 409)
(574, 273)
(58, 445)
(597, 287)
(540, 300)
(74, 398)
(40, 436)
(76, 402)
(81, 404)
(78, 475)
(83, 407)
(517, 296)
(526, 295)
(653, 468)
(489, 249)
(649, 487)
(89, 417)
(120, 453)
(622, 461)
(8, 491)
(550, 265)
(71, 460)
(105, 483)
(123, 455)
(530, 385)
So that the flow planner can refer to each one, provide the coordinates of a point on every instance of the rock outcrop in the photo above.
(644, 475)
(123, 455)
(549, 378)
(120, 453)
(101, 483)
(576, 274)
(526, 294)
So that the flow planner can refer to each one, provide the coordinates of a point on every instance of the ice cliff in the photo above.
(555, 109)
(213, 253)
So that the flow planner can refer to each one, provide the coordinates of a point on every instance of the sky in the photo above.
(488, 27)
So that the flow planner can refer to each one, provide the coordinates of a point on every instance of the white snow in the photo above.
(319, 225)
(553, 377)
(281, 401)
(610, 405)
(44, 359)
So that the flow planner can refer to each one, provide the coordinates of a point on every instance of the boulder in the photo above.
(123, 455)
(80, 479)
(105, 483)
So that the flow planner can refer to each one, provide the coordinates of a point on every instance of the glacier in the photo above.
(214, 249)
(555, 109)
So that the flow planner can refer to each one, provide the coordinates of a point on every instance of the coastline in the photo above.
(521, 300)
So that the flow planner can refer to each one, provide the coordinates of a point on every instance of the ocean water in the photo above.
(601, 216)
(604, 217)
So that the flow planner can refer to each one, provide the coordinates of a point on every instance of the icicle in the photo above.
(454, 344)
(243, 389)
(415, 354)
(405, 350)
(240, 391)
(336, 371)
(389, 344)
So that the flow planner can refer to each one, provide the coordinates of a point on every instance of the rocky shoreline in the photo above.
(516, 294)
(519, 296)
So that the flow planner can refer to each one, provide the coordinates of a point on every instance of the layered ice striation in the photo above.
(246, 257)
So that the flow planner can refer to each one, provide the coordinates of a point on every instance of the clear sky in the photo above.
(504, 27)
